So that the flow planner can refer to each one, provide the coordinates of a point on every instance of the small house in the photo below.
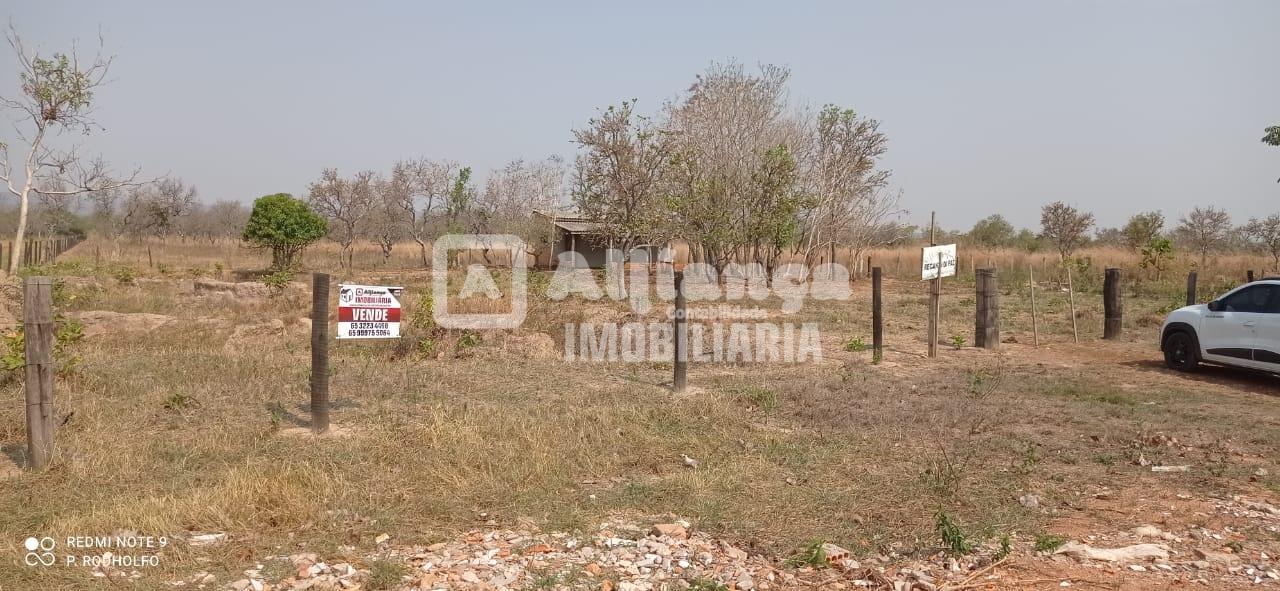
(575, 233)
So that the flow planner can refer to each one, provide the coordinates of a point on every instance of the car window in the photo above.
(1274, 306)
(1250, 299)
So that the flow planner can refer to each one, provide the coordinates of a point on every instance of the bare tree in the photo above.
(616, 178)
(218, 220)
(387, 218)
(103, 206)
(873, 222)
(1065, 226)
(849, 203)
(429, 183)
(513, 195)
(227, 219)
(1266, 233)
(346, 203)
(57, 97)
(57, 213)
(1205, 229)
(157, 207)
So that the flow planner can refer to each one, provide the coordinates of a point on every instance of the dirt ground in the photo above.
(184, 412)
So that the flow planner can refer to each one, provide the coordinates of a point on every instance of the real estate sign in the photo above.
(930, 261)
(368, 312)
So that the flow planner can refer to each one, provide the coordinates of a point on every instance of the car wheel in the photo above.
(1180, 352)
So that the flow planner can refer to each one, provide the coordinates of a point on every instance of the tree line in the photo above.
(1202, 231)
(421, 199)
(731, 167)
(739, 174)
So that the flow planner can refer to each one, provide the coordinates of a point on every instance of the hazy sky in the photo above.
(988, 106)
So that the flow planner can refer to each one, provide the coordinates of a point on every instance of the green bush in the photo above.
(812, 555)
(953, 539)
(276, 282)
(13, 356)
(1049, 542)
(285, 225)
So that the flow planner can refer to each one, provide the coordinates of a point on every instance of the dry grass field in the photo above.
(189, 422)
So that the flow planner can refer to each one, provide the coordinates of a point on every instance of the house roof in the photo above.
(571, 222)
(577, 225)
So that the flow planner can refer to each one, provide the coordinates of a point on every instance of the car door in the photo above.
(1267, 346)
(1230, 334)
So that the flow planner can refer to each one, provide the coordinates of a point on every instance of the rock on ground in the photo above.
(249, 289)
(98, 322)
(1134, 553)
(248, 332)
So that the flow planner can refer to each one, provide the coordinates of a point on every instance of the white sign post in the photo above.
(368, 312)
(942, 257)
(936, 262)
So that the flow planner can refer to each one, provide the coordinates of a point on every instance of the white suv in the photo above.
(1240, 328)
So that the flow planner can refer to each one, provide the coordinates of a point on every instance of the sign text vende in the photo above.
(368, 312)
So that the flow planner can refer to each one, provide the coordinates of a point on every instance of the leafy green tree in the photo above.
(1143, 227)
(285, 225)
(1272, 137)
(458, 201)
(1028, 240)
(1156, 254)
(1109, 237)
(772, 223)
(616, 177)
(992, 230)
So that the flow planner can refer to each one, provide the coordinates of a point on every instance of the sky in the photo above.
(989, 107)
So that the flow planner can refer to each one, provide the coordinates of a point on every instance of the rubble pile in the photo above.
(670, 556)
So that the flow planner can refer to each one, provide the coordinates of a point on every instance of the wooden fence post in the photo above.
(681, 360)
(877, 317)
(1191, 288)
(1113, 310)
(1071, 299)
(37, 326)
(319, 353)
(1249, 276)
(935, 288)
(987, 318)
(935, 308)
(1035, 325)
